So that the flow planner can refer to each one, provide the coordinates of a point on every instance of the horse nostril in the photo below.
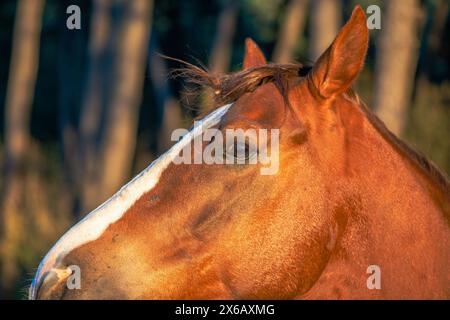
(53, 284)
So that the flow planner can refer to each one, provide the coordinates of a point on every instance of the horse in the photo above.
(351, 213)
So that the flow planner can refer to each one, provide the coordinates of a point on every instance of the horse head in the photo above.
(212, 229)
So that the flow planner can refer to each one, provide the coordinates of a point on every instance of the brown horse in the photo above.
(349, 202)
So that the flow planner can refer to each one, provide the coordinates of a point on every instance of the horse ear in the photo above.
(253, 55)
(337, 68)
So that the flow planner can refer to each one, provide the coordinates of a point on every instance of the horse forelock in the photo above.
(228, 88)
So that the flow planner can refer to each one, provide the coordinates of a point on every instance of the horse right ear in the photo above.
(253, 55)
(337, 68)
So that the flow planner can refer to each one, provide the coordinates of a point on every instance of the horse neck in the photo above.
(393, 202)
(374, 159)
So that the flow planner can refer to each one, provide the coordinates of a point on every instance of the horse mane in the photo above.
(230, 87)
(417, 157)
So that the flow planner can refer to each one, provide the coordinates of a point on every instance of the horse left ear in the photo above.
(337, 68)
(253, 55)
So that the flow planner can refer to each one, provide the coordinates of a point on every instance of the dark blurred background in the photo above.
(82, 111)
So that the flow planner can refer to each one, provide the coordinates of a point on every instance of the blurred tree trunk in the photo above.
(430, 60)
(120, 130)
(220, 57)
(19, 98)
(291, 30)
(396, 62)
(109, 118)
(324, 24)
(71, 50)
(438, 25)
(172, 119)
(168, 106)
(94, 102)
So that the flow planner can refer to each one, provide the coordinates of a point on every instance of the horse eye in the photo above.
(241, 151)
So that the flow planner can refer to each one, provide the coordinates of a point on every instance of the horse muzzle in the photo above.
(52, 285)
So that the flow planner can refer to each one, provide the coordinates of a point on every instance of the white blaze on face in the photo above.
(95, 223)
